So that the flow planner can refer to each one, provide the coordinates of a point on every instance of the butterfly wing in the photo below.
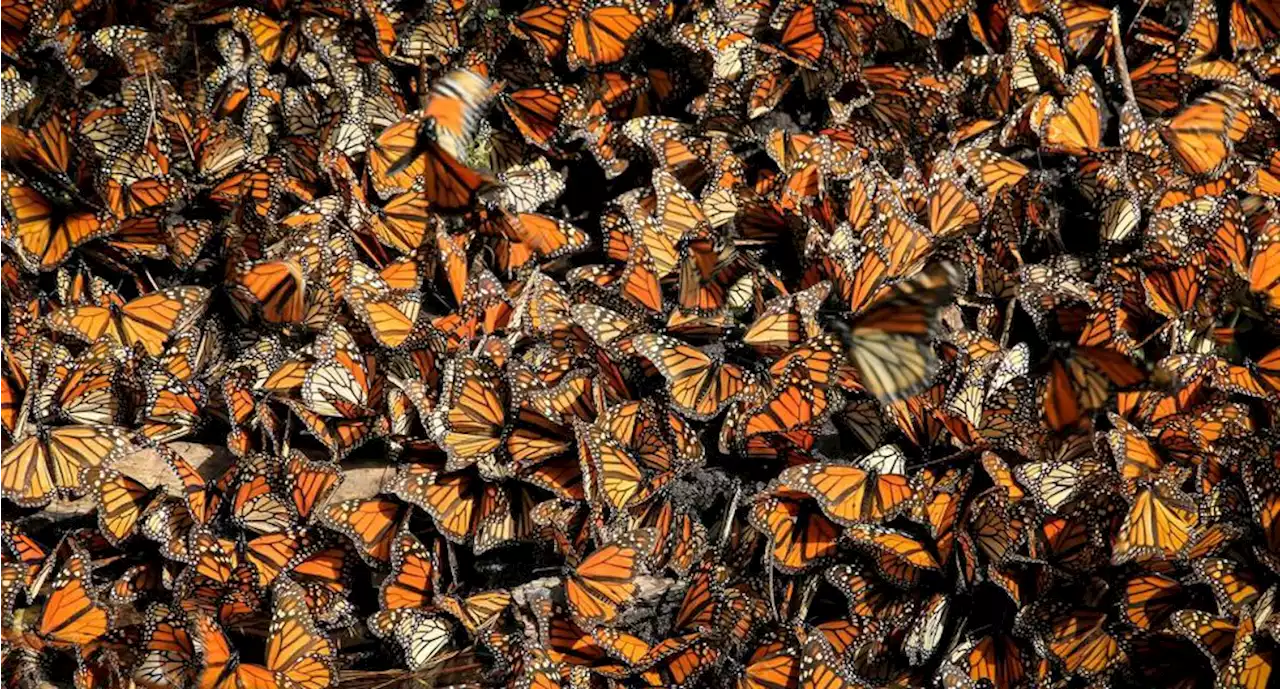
(890, 344)
(152, 319)
(603, 581)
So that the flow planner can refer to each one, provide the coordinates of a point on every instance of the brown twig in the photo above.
(1122, 65)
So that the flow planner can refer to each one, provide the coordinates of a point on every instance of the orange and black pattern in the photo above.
(774, 344)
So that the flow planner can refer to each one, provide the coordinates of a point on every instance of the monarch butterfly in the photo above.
(888, 344)
(172, 407)
(1054, 484)
(1214, 636)
(899, 558)
(1078, 385)
(996, 659)
(254, 504)
(681, 668)
(32, 564)
(951, 207)
(83, 390)
(406, 222)
(539, 443)
(869, 597)
(1158, 526)
(778, 427)
(802, 39)
(272, 39)
(546, 25)
(428, 145)
(135, 582)
(71, 615)
(275, 552)
(168, 522)
(371, 524)
(476, 612)
(310, 482)
(773, 664)
(1234, 587)
(168, 651)
(1254, 25)
(993, 171)
(41, 236)
(421, 635)
(567, 527)
(343, 381)
(276, 287)
(218, 582)
(1066, 539)
(339, 435)
(121, 501)
(413, 575)
(605, 33)
(1250, 665)
(992, 531)
(1150, 599)
(706, 274)
(297, 654)
(567, 644)
(16, 18)
(390, 312)
(1076, 639)
(527, 237)
(58, 462)
(849, 494)
(138, 181)
(1075, 126)
(787, 320)
(926, 17)
(631, 456)
(1202, 135)
(526, 188)
(133, 47)
(537, 670)
(539, 111)
(938, 507)
(148, 321)
(820, 665)
(699, 385)
(191, 355)
(543, 310)
(1257, 378)
(926, 632)
(471, 417)
(681, 539)
(604, 580)
(800, 536)
(462, 505)
(203, 498)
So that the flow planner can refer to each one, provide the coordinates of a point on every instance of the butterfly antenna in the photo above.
(943, 460)
(1115, 20)
(150, 280)
(1157, 331)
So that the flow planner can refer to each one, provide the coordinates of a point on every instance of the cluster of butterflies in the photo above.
(767, 343)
